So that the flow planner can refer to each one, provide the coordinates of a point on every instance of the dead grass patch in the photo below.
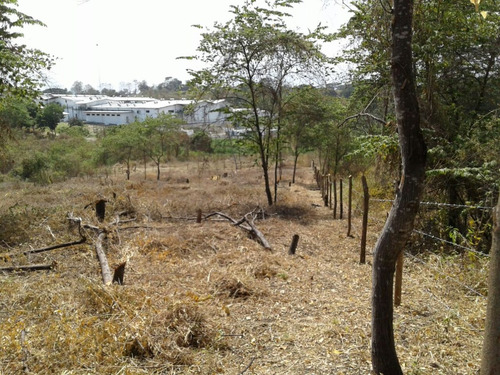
(204, 298)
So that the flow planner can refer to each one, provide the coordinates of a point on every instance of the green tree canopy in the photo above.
(457, 70)
(50, 116)
(21, 68)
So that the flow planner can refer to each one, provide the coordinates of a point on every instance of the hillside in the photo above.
(206, 299)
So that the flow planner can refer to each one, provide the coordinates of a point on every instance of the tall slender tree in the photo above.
(251, 59)
(399, 224)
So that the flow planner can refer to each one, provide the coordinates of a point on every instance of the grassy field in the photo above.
(204, 298)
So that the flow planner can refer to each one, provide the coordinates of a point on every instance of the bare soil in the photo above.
(204, 298)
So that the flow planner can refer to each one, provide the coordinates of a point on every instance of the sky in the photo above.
(108, 43)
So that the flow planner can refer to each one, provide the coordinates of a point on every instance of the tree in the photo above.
(21, 68)
(312, 122)
(109, 92)
(399, 224)
(143, 87)
(160, 138)
(457, 70)
(89, 90)
(77, 87)
(490, 361)
(56, 90)
(50, 116)
(251, 59)
(15, 113)
(122, 144)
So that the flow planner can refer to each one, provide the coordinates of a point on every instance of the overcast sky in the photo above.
(107, 42)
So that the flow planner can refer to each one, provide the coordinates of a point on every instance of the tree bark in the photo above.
(490, 361)
(399, 224)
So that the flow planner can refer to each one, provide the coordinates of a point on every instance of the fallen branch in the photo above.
(258, 234)
(31, 267)
(363, 114)
(99, 249)
(246, 224)
(248, 366)
(44, 249)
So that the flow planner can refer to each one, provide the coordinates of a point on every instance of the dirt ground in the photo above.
(204, 298)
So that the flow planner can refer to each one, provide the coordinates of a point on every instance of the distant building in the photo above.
(105, 110)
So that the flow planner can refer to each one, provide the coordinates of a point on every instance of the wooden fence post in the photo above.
(398, 280)
(366, 200)
(198, 216)
(330, 191)
(320, 185)
(334, 198)
(349, 210)
(293, 246)
(100, 209)
(326, 196)
(341, 203)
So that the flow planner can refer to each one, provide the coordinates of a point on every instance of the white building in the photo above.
(105, 110)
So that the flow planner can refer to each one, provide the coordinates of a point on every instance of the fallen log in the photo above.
(30, 267)
(257, 233)
(107, 279)
(99, 249)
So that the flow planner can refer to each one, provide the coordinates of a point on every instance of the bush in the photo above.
(35, 168)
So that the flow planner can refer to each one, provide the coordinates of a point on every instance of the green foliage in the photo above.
(35, 168)
(121, 145)
(313, 123)
(159, 138)
(74, 121)
(456, 60)
(16, 113)
(45, 160)
(238, 146)
(50, 116)
(376, 147)
(20, 68)
(72, 130)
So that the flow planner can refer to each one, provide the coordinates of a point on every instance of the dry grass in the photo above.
(206, 299)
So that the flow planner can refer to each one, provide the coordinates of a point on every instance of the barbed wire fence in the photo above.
(332, 192)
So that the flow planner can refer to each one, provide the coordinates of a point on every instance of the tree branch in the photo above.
(44, 249)
(249, 227)
(363, 114)
(31, 267)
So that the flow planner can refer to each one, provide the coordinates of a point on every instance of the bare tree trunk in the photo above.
(490, 361)
(269, 195)
(399, 225)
